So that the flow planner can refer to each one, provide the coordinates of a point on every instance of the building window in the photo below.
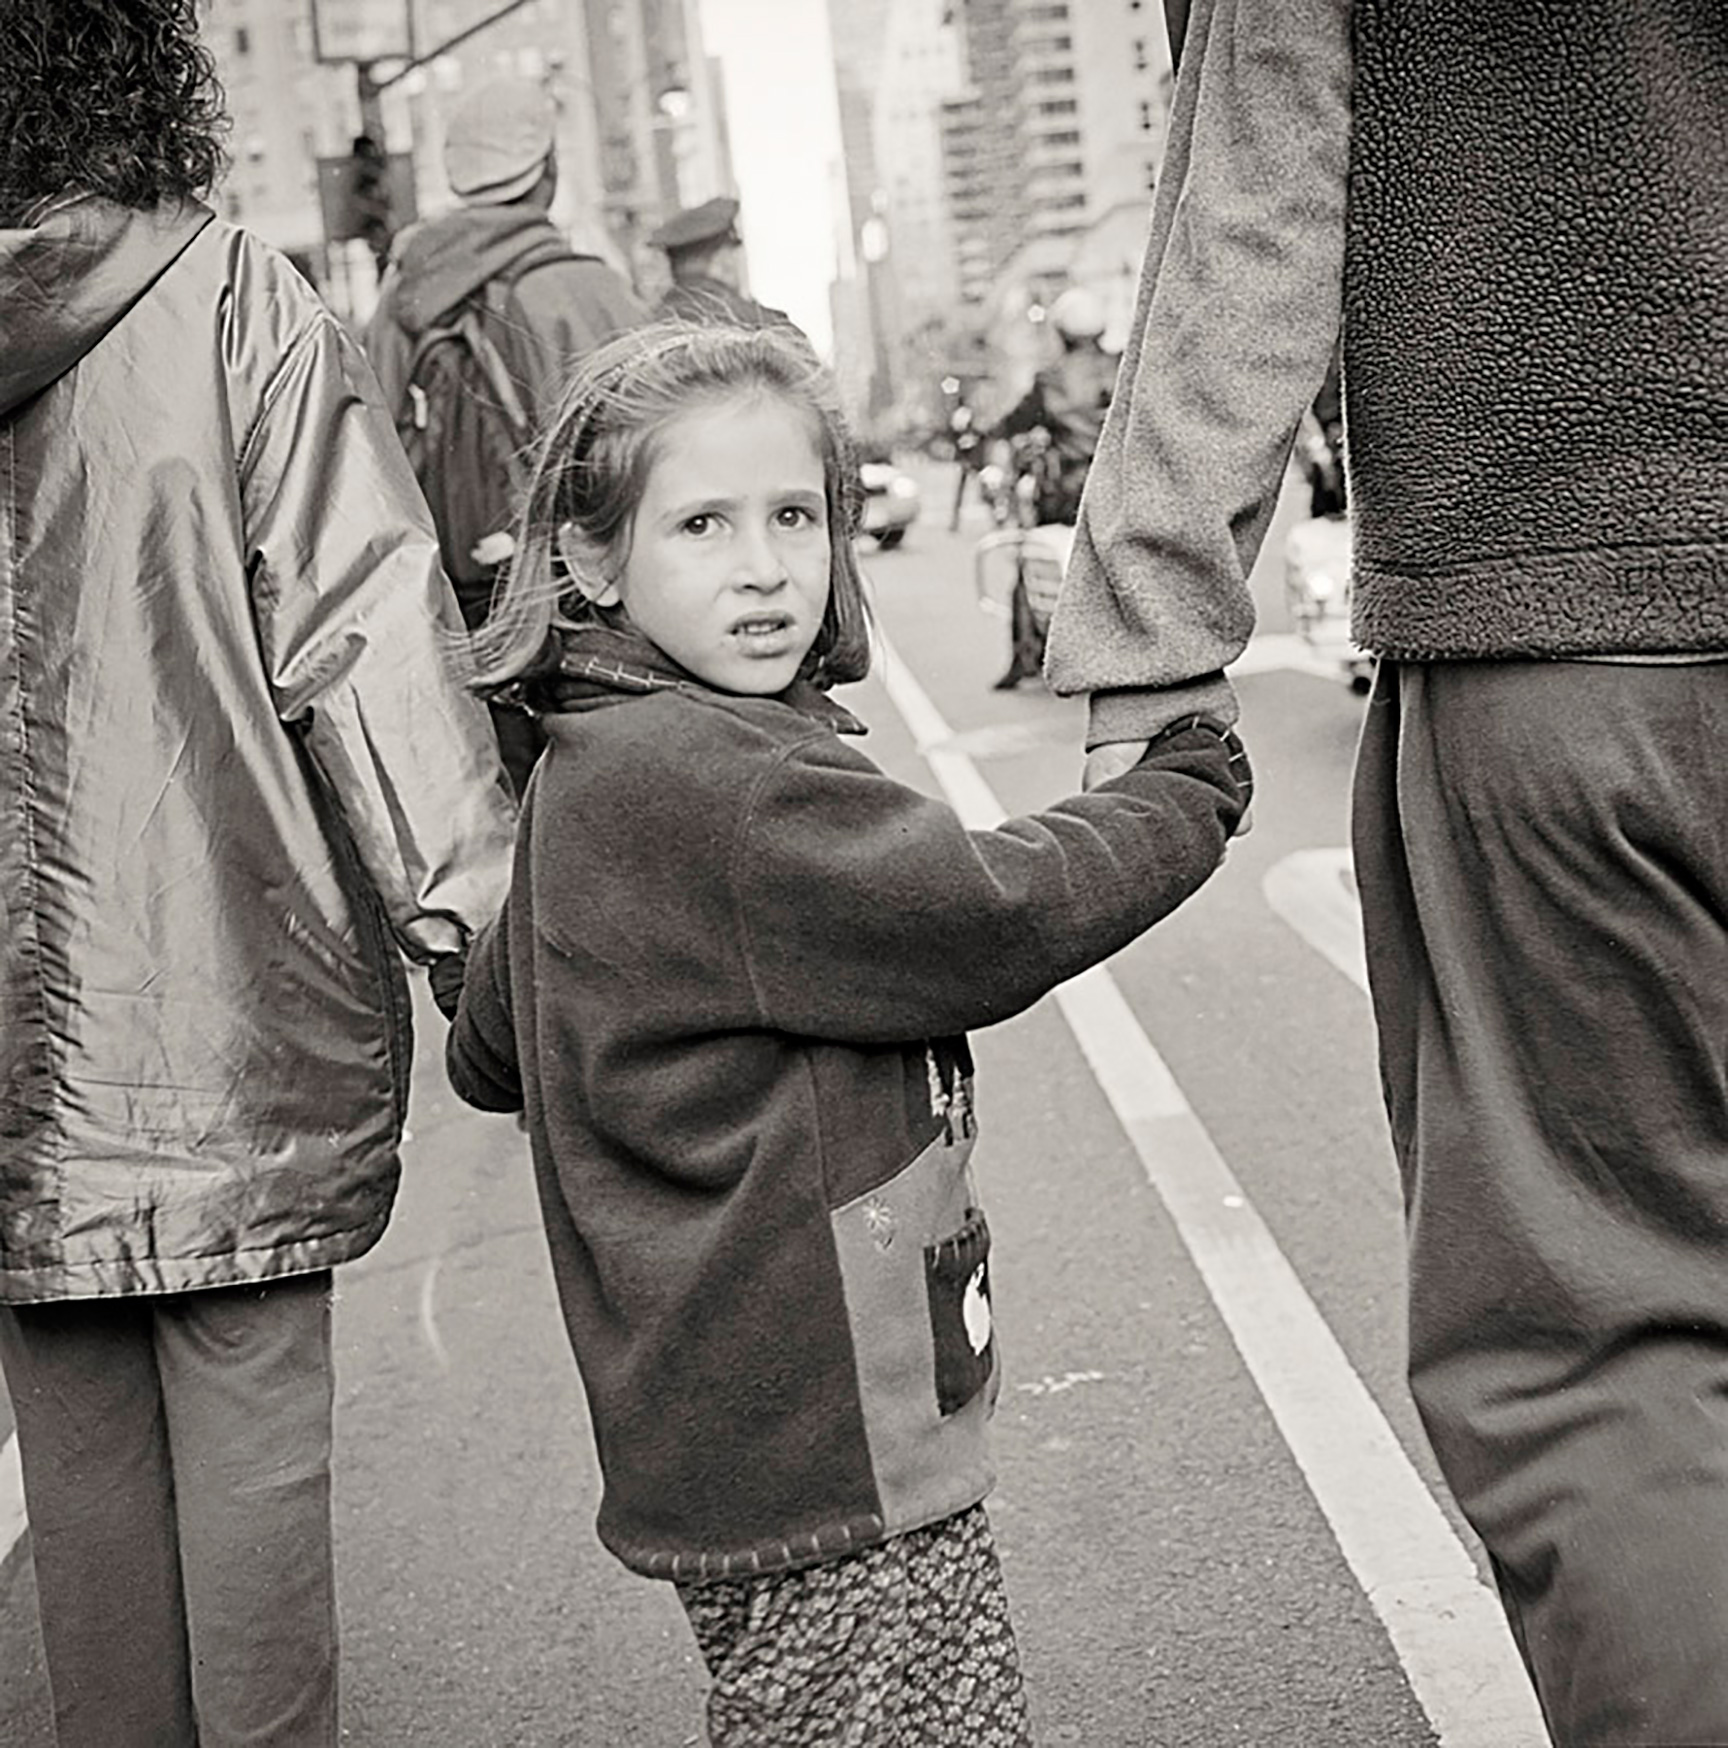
(242, 40)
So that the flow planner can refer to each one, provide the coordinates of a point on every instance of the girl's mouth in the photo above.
(762, 628)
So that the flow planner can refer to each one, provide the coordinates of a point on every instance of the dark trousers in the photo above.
(1542, 853)
(176, 1457)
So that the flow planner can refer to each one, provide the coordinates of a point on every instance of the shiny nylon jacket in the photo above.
(236, 776)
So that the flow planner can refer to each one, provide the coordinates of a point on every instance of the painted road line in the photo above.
(1312, 891)
(12, 1519)
(1444, 1625)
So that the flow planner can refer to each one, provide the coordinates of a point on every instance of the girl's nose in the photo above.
(760, 565)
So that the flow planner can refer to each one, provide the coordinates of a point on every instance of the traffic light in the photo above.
(369, 197)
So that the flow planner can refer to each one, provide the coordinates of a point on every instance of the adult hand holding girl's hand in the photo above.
(1115, 758)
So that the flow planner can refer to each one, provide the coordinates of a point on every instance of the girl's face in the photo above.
(729, 552)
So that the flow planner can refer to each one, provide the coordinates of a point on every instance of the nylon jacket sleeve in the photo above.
(871, 914)
(1235, 319)
(480, 1049)
(356, 622)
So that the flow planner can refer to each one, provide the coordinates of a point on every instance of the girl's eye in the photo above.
(795, 516)
(699, 524)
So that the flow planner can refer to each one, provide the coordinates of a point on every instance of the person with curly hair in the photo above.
(241, 784)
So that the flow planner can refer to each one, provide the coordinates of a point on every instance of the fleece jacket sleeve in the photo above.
(1234, 324)
(872, 914)
(480, 1049)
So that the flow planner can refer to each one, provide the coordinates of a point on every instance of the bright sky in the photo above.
(785, 128)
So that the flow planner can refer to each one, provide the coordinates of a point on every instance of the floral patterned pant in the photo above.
(905, 1645)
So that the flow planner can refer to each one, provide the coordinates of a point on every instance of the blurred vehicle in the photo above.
(1317, 594)
(890, 503)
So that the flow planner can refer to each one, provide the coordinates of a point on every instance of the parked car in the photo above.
(890, 503)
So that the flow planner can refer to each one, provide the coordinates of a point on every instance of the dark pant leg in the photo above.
(249, 1384)
(1542, 854)
(99, 1490)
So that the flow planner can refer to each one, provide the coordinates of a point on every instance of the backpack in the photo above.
(466, 429)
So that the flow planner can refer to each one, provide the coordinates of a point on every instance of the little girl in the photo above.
(730, 988)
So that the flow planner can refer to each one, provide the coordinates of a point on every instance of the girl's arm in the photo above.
(871, 914)
(480, 1051)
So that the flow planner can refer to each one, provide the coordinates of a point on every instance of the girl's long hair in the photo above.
(111, 97)
(591, 467)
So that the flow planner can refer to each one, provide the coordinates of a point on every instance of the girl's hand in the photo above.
(1115, 757)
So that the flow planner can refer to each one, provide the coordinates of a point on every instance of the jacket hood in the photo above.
(65, 281)
(444, 260)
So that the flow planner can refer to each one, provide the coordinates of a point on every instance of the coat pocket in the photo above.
(957, 1275)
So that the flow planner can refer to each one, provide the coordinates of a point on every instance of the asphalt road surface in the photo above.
(1218, 1520)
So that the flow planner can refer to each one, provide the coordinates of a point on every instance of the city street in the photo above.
(1218, 1520)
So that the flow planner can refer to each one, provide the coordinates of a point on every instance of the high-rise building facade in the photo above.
(1051, 152)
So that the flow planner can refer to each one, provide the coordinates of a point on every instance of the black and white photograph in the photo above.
(864, 874)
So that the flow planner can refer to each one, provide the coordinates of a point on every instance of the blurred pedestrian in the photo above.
(486, 312)
(1054, 429)
(1532, 272)
(238, 782)
(705, 256)
(731, 986)
(969, 457)
(1067, 401)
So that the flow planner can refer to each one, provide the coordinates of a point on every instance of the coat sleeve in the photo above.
(871, 914)
(1235, 319)
(480, 1049)
(357, 625)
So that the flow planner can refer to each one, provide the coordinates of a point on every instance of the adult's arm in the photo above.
(357, 625)
(1235, 319)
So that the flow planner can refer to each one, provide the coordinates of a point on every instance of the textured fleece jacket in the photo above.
(731, 985)
(1520, 213)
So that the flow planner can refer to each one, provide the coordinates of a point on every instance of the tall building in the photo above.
(996, 152)
(1051, 151)
(287, 113)
(896, 61)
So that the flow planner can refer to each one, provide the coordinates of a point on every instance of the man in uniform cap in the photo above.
(704, 252)
(541, 305)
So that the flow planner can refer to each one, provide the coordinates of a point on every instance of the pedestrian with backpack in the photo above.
(480, 318)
